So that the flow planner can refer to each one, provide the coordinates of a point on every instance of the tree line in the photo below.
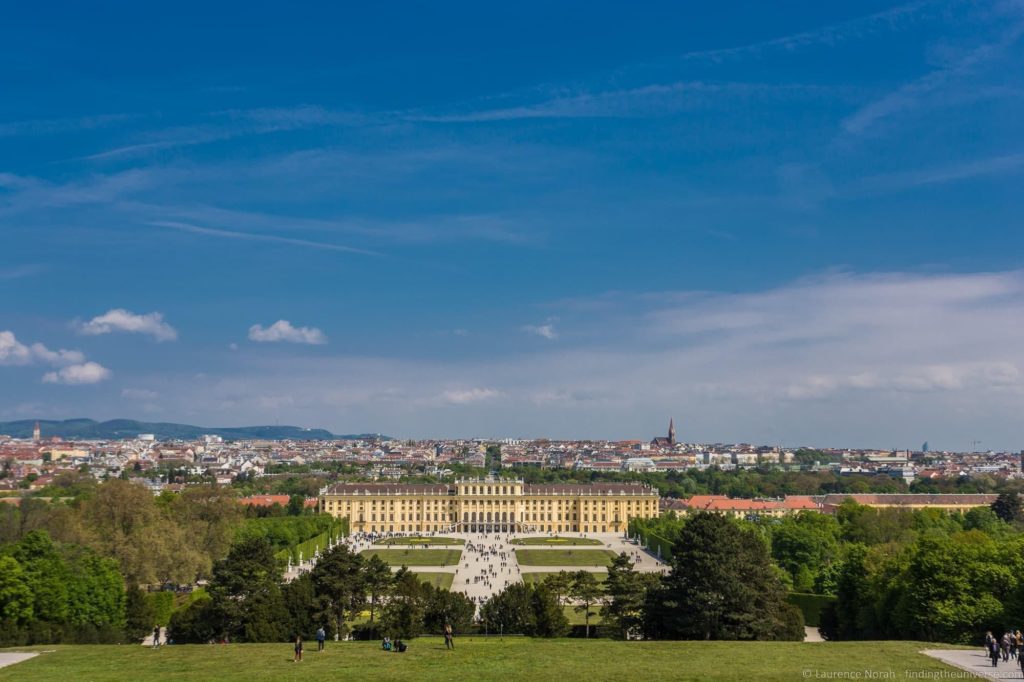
(247, 600)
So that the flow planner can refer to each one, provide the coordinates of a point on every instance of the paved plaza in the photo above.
(12, 657)
(488, 563)
(977, 662)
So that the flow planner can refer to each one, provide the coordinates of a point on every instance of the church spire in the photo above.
(672, 431)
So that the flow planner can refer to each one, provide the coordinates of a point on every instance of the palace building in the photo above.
(489, 505)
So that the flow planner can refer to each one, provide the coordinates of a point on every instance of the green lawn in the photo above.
(558, 541)
(442, 580)
(565, 557)
(476, 658)
(416, 557)
(530, 578)
(419, 540)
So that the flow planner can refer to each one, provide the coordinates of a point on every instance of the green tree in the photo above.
(953, 588)
(378, 579)
(46, 574)
(984, 519)
(139, 614)
(587, 593)
(339, 586)
(209, 515)
(548, 616)
(443, 606)
(299, 597)
(1007, 506)
(402, 616)
(246, 594)
(626, 592)
(722, 586)
(15, 593)
(559, 584)
(803, 544)
(510, 611)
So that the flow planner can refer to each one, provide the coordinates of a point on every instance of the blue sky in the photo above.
(787, 222)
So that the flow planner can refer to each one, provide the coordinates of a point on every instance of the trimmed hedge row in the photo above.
(811, 605)
(653, 541)
(318, 542)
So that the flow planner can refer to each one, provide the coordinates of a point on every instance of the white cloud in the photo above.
(13, 352)
(841, 359)
(282, 330)
(85, 373)
(546, 331)
(121, 320)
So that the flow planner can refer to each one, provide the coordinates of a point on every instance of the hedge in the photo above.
(163, 606)
(811, 606)
(339, 528)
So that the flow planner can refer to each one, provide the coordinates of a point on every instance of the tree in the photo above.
(378, 579)
(210, 515)
(803, 544)
(139, 614)
(559, 584)
(984, 519)
(246, 594)
(46, 575)
(511, 610)
(627, 592)
(299, 597)
(1007, 506)
(548, 617)
(722, 586)
(588, 593)
(853, 610)
(15, 594)
(952, 588)
(339, 586)
(443, 606)
(296, 505)
(402, 617)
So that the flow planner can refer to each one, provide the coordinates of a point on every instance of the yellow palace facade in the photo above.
(502, 506)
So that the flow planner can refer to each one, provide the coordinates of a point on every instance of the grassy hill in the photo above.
(478, 658)
(90, 429)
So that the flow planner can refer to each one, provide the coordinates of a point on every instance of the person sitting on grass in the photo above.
(400, 646)
(386, 644)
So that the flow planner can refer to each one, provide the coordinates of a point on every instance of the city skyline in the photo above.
(801, 228)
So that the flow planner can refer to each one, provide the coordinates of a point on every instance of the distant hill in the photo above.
(90, 429)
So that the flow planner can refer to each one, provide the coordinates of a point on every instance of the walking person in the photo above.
(156, 637)
(449, 638)
(1004, 646)
(993, 651)
(298, 649)
(320, 637)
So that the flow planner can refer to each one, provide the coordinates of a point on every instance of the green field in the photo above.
(419, 540)
(558, 541)
(442, 580)
(531, 578)
(477, 658)
(565, 557)
(416, 557)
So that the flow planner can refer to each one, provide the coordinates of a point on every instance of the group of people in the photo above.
(1009, 646)
(398, 646)
(494, 561)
